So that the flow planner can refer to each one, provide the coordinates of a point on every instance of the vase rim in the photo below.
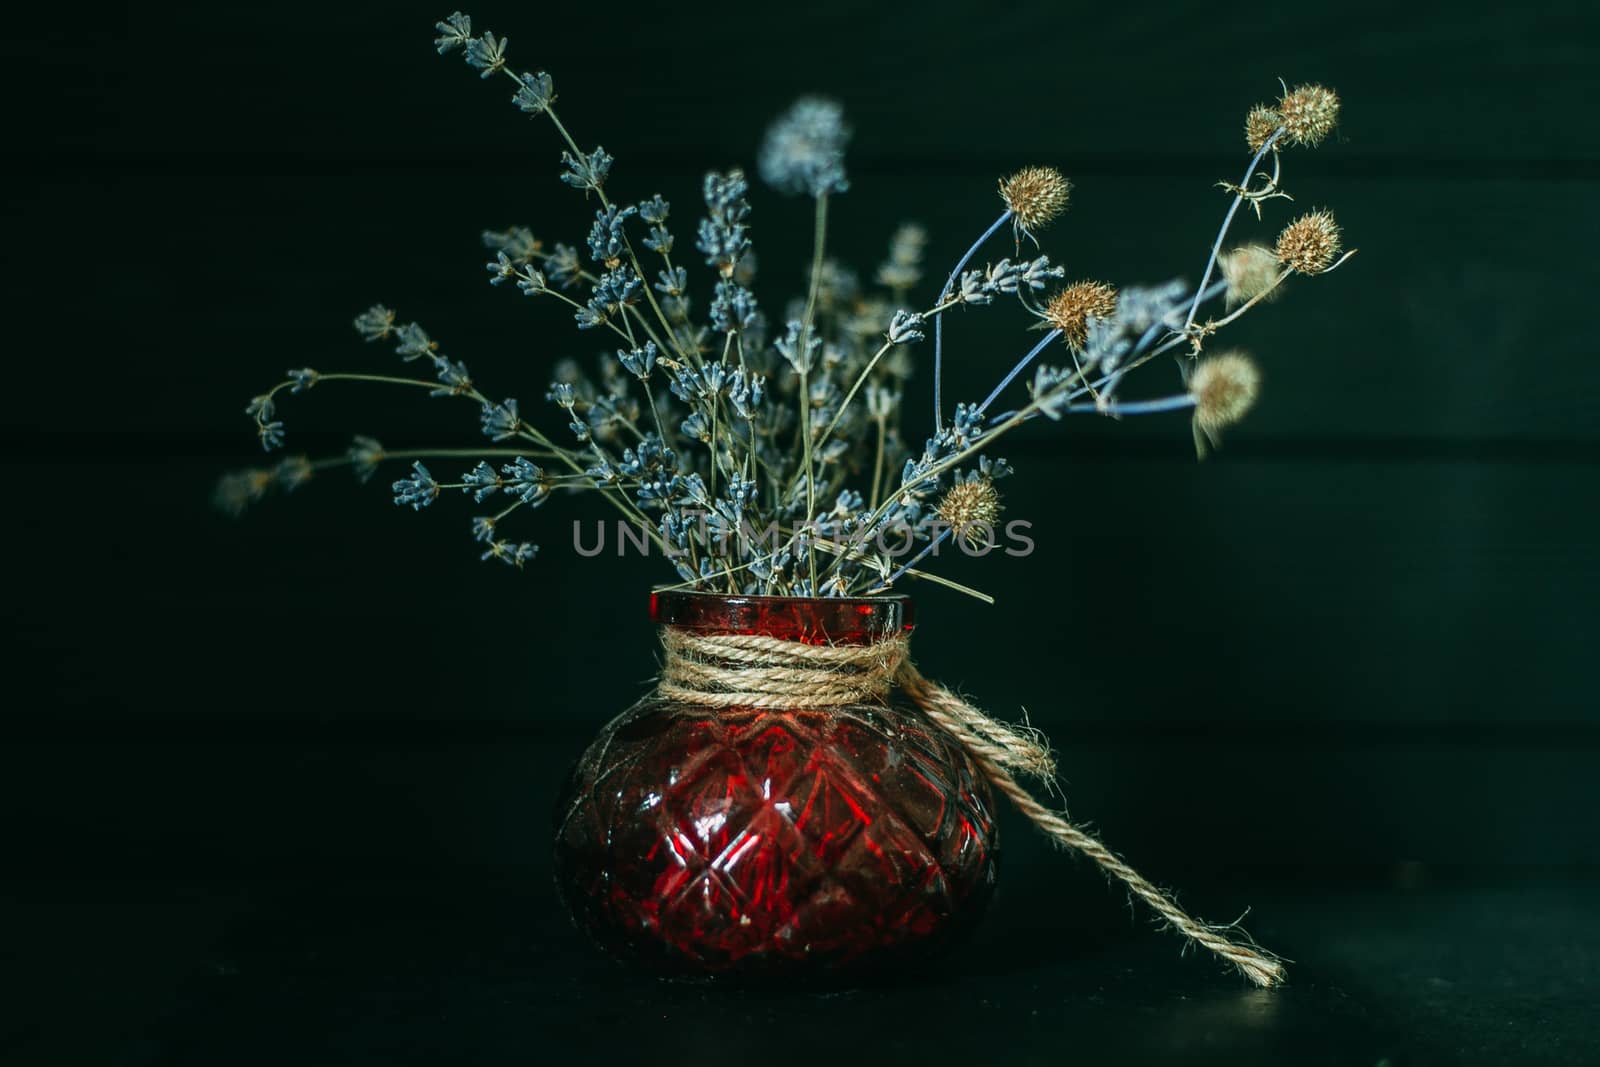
(814, 620)
(687, 594)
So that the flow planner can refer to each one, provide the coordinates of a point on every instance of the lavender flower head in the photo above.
(804, 150)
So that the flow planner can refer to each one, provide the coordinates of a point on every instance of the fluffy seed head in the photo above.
(804, 150)
(1070, 309)
(1310, 243)
(1249, 270)
(1308, 114)
(1035, 195)
(971, 509)
(1261, 123)
(1224, 387)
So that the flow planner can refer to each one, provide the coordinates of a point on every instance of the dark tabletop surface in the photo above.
(479, 968)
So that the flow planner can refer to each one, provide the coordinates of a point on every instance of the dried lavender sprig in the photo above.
(364, 461)
(456, 31)
(469, 392)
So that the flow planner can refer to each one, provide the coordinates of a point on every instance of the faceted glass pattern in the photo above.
(762, 841)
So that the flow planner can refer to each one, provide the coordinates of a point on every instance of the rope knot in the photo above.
(756, 671)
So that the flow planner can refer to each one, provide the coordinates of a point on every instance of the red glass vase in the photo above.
(758, 841)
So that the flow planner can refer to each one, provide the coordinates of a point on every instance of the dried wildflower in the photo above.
(563, 268)
(722, 234)
(903, 269)
(454, 32)
(905, 327)
(526, 482)
(586, 171)
(607, 241)
(1224, 387)
(481, 481)
(419, 490)
(501, 421)
(535, 94)
(414, 342)
(1310, 243)
(1308, 114)
(518, 243)
(365, 453)
(270, 434)
(235, 492)
(512, 554)
(454, 376)
(292, 472)
(970, 509)
(804, 150)
(800, 356)
(501, 268)
(376, 323)
(654, 212)
(531, 282)
(1035, 196)
(1070, 309)
(487, 54)
(1261, 123)
(615, 290)
(733, 308)
(1250, 270)
(639, 361)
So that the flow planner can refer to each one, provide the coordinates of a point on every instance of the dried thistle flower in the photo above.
(1070, 310)
(1308, 114)
(1035, 196)
(971, 508)
(1250, 271)
(1310, 243)
(1261, 123)
(1224, 388)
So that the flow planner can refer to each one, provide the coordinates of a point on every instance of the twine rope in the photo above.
(750, 670)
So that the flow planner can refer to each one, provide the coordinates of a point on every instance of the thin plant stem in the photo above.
(938, 324)
(1018, 369)
(861, 379)
(1136, 407)
(877, 461)
(932, 546)
(819, 240)
(1227, 221)
(385, 455)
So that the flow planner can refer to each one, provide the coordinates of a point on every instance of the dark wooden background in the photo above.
(1355, 648)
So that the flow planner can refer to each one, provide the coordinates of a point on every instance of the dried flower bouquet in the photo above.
(765, 460)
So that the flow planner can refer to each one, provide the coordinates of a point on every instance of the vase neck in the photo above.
(816, 621)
